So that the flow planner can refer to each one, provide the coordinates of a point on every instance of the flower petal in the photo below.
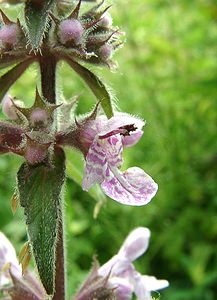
(90, 129)
(96, 168)
(122, 288)
(135, 244)
(132, 139)
(8, 256)
(143, 285)
(113, 149)
(154, 284)
(120, 120)
(105, 269)
(133, 187)
(140, 289)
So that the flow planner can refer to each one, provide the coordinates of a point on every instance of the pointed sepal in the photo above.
(5, 19)
(75, 12)
(40, 114)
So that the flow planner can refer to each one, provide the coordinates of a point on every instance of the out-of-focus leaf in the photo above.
(95, 84)
(39, 191)
(8, 79)
(36, 15)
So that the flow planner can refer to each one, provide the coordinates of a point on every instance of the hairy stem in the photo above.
(48, 86)
(60, 265)
(48, 76)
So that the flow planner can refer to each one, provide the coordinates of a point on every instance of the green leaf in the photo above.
(36, 15)
(8, 79)
(74, 170)
(39, 191)
(7, 60)
(95, 84)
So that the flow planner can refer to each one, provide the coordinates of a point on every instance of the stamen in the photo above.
(123, 130)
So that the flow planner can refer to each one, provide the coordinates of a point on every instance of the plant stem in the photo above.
(48, 86)
(48, 76)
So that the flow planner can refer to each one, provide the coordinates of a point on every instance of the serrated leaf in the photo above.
(74, 170)
(36, 15)
(39, 191)
(9, 78)
(95, 84)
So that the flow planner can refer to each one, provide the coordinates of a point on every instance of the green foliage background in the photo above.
(168, 76)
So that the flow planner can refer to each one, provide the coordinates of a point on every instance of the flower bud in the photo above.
(8, 108)
(135, 244)
(106, 20)
(70, 30)
(39, 116)
(37, 147)
(105, 52)
(35, 155)
(9, 35)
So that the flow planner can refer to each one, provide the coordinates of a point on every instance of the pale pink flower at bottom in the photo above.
(105, 140)
(12, 283)
(120, 267)
(8, 257)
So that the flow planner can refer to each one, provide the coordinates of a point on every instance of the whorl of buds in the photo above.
(89, 37)
(71, 30)
(33, 135)
(40, 115)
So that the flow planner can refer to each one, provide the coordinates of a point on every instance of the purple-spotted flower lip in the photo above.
(120, 266)
(105, 140)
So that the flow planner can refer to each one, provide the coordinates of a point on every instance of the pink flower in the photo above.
(122, 274)
(12, 282)
(8, 257)
(105, 140)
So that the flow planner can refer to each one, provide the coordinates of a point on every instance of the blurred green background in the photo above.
(168, 76)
